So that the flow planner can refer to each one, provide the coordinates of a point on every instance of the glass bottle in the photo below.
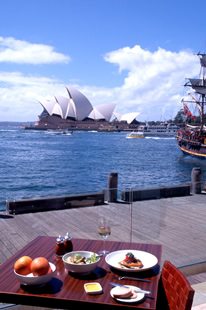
(68, 245)
(59, 249)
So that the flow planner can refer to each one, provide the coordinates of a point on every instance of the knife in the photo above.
(134, 278)
(136, 290)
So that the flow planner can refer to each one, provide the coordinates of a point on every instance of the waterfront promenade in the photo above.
(177, 223)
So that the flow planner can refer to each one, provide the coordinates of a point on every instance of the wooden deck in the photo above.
(177, 223)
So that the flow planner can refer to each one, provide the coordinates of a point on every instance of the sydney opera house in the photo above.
(75, 112)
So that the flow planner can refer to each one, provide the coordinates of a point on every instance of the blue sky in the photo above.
(133, 53)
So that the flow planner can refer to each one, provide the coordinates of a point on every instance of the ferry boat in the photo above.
(162, 130)
(191, 138)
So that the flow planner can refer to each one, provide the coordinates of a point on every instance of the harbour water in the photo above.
(40, 163)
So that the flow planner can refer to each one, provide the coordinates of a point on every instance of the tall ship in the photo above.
(191, 138)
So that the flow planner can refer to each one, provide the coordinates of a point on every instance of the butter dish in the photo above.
(93, 288)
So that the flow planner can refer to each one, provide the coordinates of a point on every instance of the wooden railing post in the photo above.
(196, 184)
(112, 187)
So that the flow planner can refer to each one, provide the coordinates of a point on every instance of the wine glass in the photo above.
(104, 230)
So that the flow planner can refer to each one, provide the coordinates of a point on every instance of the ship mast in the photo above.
(199, 86)
(203, 69)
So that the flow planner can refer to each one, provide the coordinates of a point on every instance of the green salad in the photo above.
(79, 259)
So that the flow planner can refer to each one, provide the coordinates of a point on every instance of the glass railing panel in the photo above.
(173, 217)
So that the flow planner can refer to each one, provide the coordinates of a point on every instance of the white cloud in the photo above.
(152, 86)
(154, 82)
(19, 95)
(22, 52)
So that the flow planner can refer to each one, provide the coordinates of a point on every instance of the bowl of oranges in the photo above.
(35, 271)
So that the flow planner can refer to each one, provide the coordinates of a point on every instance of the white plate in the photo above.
(139, 297)
(148, 260)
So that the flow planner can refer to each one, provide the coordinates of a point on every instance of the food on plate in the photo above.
(23, 265)
(81, 260)
(123, 292)
(40, 266)
(130, 261)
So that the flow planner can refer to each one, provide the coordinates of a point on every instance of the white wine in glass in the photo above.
(104, 230)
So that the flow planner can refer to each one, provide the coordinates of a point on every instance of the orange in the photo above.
(23, 265)
(40, 266)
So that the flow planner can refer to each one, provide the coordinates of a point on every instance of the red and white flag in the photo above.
(187, 111)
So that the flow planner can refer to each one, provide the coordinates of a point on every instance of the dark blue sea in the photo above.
(40, 163)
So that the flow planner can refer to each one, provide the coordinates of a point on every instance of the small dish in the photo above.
(139, 297)
(93, 288)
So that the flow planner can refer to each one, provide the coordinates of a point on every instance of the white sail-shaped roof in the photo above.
(82, 105)
(48, 105)
(78, 107)
(129, 117)
(56, 108)
(117, 116)
(106, 110)
(64, 104)
(72, 109)
(95, 114)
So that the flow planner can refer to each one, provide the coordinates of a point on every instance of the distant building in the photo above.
(76, 112)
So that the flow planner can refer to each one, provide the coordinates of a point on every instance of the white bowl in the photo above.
(30, 279)
(80, 268)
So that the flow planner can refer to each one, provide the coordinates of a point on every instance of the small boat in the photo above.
(191, 138)
(135, 135)
(59, 131)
